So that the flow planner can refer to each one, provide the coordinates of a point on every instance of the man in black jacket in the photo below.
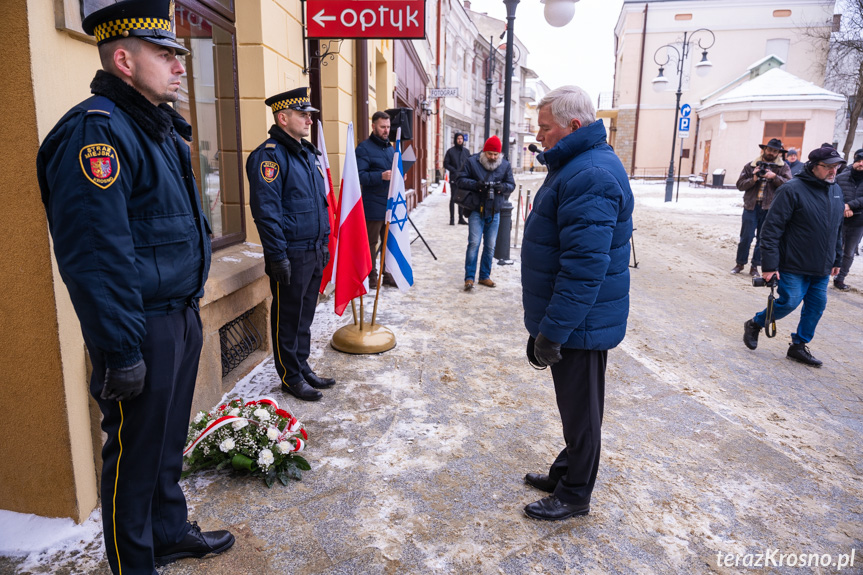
(133, 248)
(793, 161)
(801, 246)
(851, 182)
(454, 162)
(489, 177)
(375, 166)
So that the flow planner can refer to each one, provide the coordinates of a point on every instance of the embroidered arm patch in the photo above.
(269, 171)
(100, 164)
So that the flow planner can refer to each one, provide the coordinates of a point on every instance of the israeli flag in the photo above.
(398, 260)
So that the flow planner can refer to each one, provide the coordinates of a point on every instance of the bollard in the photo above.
(501, 247)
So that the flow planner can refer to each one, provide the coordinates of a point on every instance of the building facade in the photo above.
(642, 120)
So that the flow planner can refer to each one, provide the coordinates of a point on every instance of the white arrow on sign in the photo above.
(321, 19)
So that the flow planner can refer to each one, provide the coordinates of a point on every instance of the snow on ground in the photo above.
(38, 538)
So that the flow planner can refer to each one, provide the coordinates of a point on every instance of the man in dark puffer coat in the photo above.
(851, 182)
(575, 280)
(453, 162)
(375, 165)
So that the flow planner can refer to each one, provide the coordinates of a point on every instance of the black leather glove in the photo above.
(123, 383)
(546, 351)
(281, 271)
(326, 256)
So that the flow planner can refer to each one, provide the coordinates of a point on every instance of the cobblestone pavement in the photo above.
(418, 454)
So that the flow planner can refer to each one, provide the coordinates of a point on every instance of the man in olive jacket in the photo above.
(758, 181)
(802, 246)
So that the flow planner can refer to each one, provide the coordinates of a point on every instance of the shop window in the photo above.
(209, 101)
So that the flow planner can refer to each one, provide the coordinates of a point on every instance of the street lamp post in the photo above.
(489, 80)
(507, 85)
(660, 82)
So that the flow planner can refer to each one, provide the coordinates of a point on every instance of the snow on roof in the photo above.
(774, 86)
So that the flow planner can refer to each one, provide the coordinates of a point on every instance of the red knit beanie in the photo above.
(492, 145)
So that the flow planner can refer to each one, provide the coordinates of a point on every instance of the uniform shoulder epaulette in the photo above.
(100, 105)
(269, 144)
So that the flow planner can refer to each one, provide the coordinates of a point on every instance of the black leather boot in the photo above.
(196, 543)
(318, 382)
(750, 333)
(799, 352)
(302, 390)
(541, 481)
(553, 509)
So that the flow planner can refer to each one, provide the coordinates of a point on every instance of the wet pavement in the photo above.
(710, 450)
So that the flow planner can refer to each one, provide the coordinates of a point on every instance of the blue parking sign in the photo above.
(684, 125)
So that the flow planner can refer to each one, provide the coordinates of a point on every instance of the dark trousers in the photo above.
(753, 220)
(143, 507)
(851, 236)
(292, 313)
(579, 383)
(376, 232)
(453, 206)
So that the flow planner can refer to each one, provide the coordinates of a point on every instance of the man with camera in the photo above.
(758, 181)
(801, 245)
(851, 182)
(487, 177)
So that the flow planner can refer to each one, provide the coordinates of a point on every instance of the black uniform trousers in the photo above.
(292, 313)
(143, 506)
(579, 384)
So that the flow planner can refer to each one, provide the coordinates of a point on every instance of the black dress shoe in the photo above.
(318, 382)
(540, 481)
(553, 509)
(302, 390)
(195, 544)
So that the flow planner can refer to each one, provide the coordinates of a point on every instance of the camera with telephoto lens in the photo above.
(488, 189)
(764, 166)
(761, 282)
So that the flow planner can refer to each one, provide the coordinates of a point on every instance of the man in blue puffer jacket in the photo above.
(575, 280)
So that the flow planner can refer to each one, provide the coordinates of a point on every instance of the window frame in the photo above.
(217, 14)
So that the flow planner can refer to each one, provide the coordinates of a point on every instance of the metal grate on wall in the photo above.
(239, 338)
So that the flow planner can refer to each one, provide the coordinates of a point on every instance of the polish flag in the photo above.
(353, 262)
(331, 208)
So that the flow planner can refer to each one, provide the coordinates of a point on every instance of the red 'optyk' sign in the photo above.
(365, 18)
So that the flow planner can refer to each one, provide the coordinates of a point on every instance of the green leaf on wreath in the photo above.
(301, 463)
(284, 478)
(294, 473)
(269, 480)
(223, 464)
(240, 462)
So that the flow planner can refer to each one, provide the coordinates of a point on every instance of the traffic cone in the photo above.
(445, 183)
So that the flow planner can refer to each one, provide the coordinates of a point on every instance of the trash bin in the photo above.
(718, 177)
(504, 231)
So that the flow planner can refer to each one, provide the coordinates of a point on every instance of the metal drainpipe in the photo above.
(362, 71)
(437, 139)
(638, 97)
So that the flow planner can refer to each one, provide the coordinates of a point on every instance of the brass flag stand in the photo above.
(358, 337)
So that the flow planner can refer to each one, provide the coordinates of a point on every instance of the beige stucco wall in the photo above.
(742, 29)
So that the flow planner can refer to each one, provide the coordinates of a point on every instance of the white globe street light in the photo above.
(559, 13)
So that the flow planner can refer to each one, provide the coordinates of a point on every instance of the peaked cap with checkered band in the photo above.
(149, 20)
(296, 99)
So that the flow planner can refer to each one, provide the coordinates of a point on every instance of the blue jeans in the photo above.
(751, 227)
(794, 288)
(485, 227)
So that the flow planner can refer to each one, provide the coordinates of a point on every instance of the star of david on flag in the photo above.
(398, 258)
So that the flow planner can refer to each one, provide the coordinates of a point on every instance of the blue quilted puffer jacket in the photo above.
(575, 257)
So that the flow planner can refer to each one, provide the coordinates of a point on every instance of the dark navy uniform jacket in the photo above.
(287, 195)
(129, 234)
(374, 157)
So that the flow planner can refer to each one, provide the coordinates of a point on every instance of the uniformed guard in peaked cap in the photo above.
(296, 99)
(149, 20)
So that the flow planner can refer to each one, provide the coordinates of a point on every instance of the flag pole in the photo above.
(354, 310)
(381, 272)
(361, 313)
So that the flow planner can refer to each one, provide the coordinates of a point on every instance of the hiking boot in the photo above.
(753, 271)
(487, 282)
(799, 352)
(462, 222)
(468, 285)
(737, 269)
(750, 334)
(841, 285)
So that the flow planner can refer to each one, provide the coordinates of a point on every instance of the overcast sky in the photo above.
(581, 53)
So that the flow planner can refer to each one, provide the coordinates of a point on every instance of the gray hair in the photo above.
(568, 103)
